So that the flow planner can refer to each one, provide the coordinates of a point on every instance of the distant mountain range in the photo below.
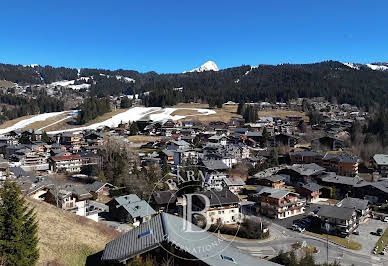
(360, 84)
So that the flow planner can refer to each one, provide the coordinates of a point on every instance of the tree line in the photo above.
(91, 108)
(17, 106)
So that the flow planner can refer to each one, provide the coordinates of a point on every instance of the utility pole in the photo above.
(327, 240)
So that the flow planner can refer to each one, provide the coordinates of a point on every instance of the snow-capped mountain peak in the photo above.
(208, 66)
(373, 66)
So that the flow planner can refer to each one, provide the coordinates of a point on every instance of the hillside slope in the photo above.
(67, 239)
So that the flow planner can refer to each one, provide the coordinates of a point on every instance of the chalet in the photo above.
(306, 157)
(223, 206)
(302, 173)
(166, 235)
(72, 198)
(164, 201)
(283, 139)
(278, 203)
(274, 181)
(168, 155)
(337, 220)
(222, 140)
(309, 191)
(178, 145)
(234, 184)
(130, 208)
(185, 156)
(100, 188)
(381, 163)
(327, 143)
(361, 206)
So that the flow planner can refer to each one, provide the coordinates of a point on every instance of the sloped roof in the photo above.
(164, 197)
(167, 228)
(275, 193)
(335, 212)
(312, 187)
(358, 204)
(135, 206)
(233, 181)
(215, 164)
(218, 198)
(381, 159)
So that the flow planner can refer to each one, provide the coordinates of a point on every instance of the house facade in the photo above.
(278, 203)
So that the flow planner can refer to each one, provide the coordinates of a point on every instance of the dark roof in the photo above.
(358, 204)
(335, 212)
(312, 187)
(218, 198)
(167, 228)
(164, 197)
(273, 178)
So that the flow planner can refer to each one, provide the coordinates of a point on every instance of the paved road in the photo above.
(284, 238)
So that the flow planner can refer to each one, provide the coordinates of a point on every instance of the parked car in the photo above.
(379, 231)
(385, 219)
(356, 232)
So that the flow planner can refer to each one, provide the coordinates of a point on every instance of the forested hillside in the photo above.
(362, 87)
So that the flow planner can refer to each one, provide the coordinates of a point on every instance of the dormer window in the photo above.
(227, 258)
(146, 233)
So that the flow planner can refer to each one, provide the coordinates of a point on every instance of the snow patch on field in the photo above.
(132, 114)
(70, 84)
(138, 113)
(24, 123)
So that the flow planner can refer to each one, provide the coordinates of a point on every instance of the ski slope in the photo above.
(24, 123)
(138, 113)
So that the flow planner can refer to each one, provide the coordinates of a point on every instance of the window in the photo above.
(146, 233)
(227, 258)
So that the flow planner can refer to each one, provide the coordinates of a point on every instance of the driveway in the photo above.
(365, 238)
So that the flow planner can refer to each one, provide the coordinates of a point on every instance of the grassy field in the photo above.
(6, 84)
(138, 139)
(283, 113)
(382, 242)
(186, 112)
(67, 239)
(339, 240)
(224, 114)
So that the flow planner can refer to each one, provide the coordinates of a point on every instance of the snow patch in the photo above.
(208, 66)
(377, 67)
(351, 65)
(137, 113)
(24, 123)
(126, 79)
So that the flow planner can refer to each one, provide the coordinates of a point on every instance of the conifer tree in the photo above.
(134, 129)
(18, 228)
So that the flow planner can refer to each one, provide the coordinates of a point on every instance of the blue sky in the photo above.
(172, 36)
